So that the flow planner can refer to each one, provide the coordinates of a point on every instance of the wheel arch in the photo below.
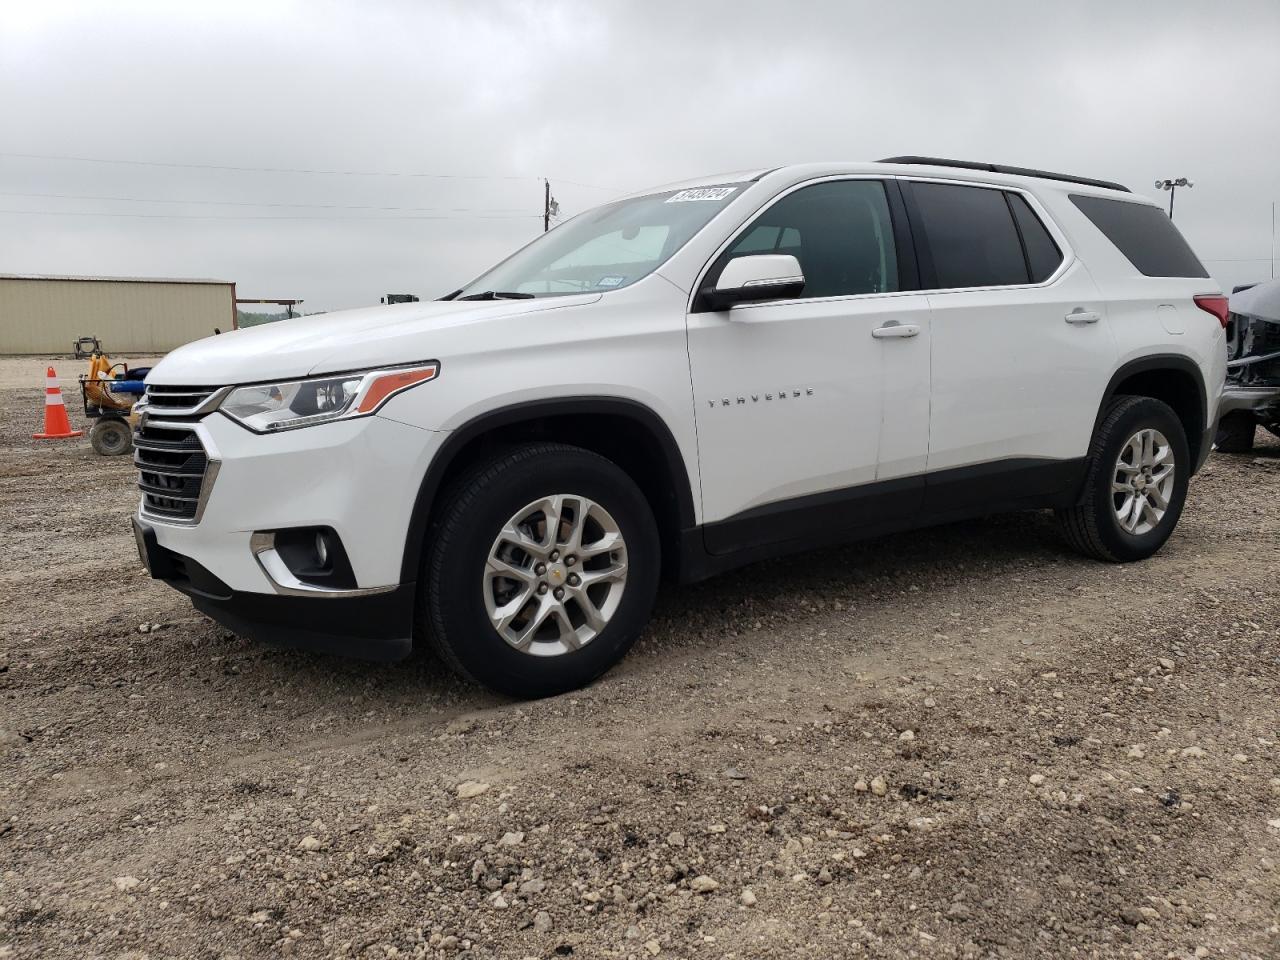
(1174, 379)
(625, 431)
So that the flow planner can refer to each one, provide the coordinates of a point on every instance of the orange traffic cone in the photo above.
(56, 424)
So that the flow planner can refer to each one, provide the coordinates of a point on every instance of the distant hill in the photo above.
(247, 318)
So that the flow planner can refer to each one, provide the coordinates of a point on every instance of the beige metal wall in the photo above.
(46, 316)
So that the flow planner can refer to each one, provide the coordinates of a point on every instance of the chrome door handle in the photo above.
(1079, 316)
(895, 329)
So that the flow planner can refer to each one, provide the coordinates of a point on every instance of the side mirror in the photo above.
(764, 276)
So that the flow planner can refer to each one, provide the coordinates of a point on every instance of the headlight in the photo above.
(269, 407)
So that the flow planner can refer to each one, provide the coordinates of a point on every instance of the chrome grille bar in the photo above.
(175, 472)
(181, 401)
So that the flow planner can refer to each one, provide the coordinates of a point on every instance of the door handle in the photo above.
(895, 329)
(1080, 316)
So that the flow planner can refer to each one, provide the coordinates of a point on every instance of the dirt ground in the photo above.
(962, 743)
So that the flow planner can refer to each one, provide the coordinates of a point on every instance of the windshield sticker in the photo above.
(701, 193)
(613, 281)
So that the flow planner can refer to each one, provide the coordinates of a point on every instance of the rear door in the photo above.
(801, 405)
(1021, 347)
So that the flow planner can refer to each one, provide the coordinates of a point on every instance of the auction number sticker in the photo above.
(701, 193)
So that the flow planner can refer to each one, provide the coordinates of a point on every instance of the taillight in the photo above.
(1216, 305)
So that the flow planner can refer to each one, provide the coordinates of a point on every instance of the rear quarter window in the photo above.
(1144, 234)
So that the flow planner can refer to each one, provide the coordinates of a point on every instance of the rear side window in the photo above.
(1043, 255)
(1143, 233)
(971, 235)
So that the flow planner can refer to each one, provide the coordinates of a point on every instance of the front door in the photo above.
(812, 413)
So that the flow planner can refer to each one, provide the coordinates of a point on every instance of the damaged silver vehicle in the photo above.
(1251, 398)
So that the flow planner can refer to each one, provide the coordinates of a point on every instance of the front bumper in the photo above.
(360, 478)
(376, 626)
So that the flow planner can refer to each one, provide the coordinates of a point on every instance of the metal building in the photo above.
(129, 315)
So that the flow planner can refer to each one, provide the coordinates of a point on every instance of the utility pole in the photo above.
(550, 208)
(1172, 186)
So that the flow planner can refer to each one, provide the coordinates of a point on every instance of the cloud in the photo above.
(615, 96)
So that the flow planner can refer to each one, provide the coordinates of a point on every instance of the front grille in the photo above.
(175, 472)
(162, 398)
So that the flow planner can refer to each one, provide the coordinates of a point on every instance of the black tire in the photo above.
(1235, 432)
(452, 611)
(1091, 527)
(111, 437)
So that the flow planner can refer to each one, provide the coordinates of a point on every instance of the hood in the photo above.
(346, 340)
(1260, 301)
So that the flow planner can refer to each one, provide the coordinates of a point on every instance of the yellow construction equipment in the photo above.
(110, 391)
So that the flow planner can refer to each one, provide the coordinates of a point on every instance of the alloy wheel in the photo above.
(1142, 484)
(555, 575)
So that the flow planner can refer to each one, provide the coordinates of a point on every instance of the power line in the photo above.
(592, 186)
(302, 170)
(254, 203)
(189, 216)
(243, 169)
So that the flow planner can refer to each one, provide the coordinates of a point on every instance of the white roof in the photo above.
(740, 176)
(62, 276)
(797, 171)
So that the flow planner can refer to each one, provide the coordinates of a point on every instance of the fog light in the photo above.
(312, 555)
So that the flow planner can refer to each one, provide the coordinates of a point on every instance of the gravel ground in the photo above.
(962, 743)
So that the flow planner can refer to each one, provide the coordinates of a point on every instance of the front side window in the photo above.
(607, 248)
(840, 232)
(971, 236)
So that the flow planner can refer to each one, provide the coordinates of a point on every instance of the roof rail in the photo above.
(1001, 168)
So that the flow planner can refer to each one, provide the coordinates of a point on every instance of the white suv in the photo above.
(679, 382)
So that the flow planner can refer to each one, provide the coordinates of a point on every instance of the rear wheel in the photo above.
(1139, 468)
(111, 437)
(1235, 432)
(542, 571)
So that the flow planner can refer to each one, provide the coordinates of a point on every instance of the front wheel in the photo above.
(542, 571)
(1139, 468)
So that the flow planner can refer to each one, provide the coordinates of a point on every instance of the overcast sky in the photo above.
(602, 97)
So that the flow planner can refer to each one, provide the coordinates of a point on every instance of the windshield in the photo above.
(606, 248)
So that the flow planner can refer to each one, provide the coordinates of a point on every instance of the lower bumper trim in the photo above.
(374, 627)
